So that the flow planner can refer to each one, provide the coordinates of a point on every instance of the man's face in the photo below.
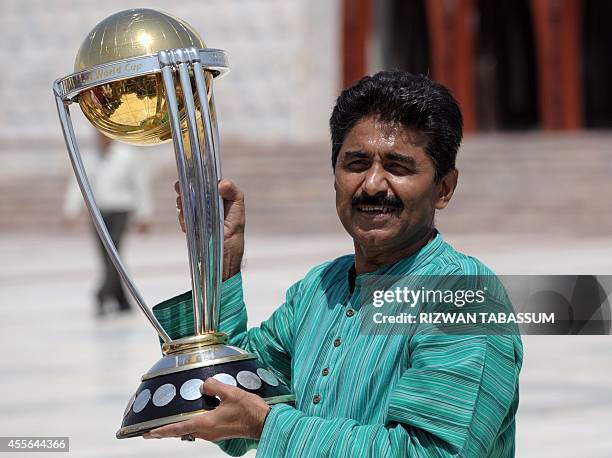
(386, 194)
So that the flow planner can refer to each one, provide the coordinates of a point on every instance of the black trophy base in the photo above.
(176, 397)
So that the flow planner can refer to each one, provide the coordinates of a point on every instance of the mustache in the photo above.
(388, 200)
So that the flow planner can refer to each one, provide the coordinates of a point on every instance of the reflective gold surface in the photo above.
(134, 110)
(193, 342)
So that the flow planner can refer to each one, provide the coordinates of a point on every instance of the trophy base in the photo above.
(170, 391)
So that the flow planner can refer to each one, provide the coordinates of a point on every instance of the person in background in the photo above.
(120, 184)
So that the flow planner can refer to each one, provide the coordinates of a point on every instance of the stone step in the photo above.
(519, 183)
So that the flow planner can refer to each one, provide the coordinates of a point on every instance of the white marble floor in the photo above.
(66, 373)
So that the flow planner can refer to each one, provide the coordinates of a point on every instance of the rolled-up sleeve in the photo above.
(272, 341)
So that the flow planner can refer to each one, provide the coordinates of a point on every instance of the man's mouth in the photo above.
(376, 209)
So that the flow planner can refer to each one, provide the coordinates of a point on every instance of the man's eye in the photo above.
(359, 164)
(399, 169)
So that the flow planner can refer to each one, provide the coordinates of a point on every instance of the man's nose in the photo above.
(375, 181)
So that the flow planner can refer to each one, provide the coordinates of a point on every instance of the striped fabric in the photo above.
(428, 395)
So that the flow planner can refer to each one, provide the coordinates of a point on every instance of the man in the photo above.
(395, 137)
(121, 187)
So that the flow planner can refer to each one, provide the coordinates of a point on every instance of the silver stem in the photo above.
(215, 130)
(211, 137)
(199, 189)
(216, 201)
(205, 212)
(189, 193)
(216, 151)
(81, 176)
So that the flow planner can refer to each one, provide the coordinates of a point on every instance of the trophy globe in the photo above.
(140, 77)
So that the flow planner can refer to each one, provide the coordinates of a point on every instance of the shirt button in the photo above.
(316, 399)
(350, 312)
(325, 371)
(337, 343)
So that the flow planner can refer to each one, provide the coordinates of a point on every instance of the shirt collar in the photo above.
(403, 266)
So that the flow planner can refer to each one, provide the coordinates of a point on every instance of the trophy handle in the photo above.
(198, 180)
(81, 176)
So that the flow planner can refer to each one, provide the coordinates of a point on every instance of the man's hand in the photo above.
(233, 225)
(240, 414)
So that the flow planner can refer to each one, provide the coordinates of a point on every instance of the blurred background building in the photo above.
(512, 64)
(533, 79)
(518, 67)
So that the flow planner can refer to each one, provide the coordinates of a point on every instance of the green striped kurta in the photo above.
(428, 395)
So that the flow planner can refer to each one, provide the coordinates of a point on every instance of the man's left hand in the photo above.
(240, 414)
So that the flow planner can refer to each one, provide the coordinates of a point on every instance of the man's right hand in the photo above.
(233, 225)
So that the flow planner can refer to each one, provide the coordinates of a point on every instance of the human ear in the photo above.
(446, 188)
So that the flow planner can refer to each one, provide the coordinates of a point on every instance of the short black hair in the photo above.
(414, 101)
